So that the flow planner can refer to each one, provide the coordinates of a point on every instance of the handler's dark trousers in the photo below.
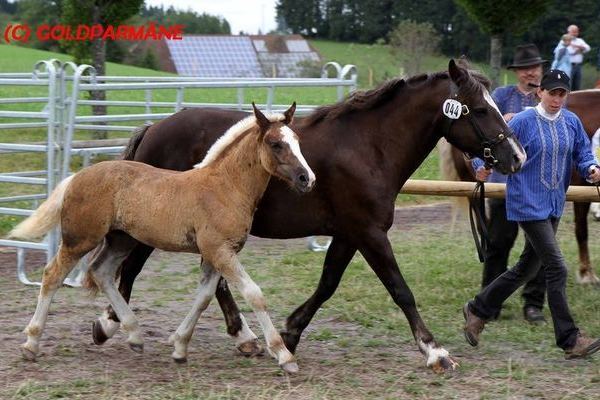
(576, 76)
(540, 248)
(502, 234)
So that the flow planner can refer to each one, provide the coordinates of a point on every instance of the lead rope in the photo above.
(478, 223)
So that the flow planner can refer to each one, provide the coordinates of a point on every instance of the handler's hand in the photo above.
(508, 116)
(482, 174)
(594, 175)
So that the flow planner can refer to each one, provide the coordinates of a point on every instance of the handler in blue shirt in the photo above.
(502, 233)
(554, 140)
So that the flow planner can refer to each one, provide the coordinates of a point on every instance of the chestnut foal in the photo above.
(207, 210)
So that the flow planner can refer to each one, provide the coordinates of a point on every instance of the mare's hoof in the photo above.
(251, 348)
(444, 364)
(290, 367)
(291, 341)
(98, 333)
(28, 354)
(181, 360)
(137, 347)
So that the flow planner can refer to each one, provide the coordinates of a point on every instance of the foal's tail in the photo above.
(134, 142)
(46, 217)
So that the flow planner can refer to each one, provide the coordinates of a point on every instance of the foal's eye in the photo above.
(276, 146)
(480, 111)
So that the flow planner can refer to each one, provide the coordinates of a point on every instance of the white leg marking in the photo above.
(245, 334)
(433, 354)
(183, 334)
(253, 295)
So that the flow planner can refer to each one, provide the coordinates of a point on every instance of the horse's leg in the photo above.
(227, 263)
(102, 269)
(337, 259)
(54, 274)
(377, 250)
(586, 273)
(107, 325)
(206, 290)
(245, 340)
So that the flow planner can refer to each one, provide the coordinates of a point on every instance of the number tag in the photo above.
(452, 108)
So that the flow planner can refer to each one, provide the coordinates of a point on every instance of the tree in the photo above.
(412, 41)
(93, 12)
(499, 17)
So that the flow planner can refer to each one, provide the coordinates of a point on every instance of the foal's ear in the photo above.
(289, 114)
(457, 74)
(261, 120)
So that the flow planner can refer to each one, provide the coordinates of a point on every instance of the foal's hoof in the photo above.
(98, 333)
(137, 347)
(181, 360)
(290, 367)
(443, 365)
(251, 348)
(28, 354)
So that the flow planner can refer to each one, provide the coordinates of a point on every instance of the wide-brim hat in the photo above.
(526, 55)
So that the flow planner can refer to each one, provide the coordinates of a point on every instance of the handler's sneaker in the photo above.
(473, 326)
(584, 347)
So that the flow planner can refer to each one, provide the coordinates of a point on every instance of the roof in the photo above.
(241, 56)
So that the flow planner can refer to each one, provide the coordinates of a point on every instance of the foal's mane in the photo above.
(232, 135)
(369, 99)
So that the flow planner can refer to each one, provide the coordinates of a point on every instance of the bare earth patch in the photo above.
(337, 359)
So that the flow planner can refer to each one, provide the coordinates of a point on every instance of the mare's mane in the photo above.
(369, 99)
(232, 135)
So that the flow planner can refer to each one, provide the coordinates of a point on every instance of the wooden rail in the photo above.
(492, 190)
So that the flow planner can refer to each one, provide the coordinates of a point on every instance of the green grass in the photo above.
(357, 346)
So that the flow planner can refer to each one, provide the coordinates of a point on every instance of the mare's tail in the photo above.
(46, 217)
(134, 142)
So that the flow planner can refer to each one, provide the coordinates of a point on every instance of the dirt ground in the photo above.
(71, 366)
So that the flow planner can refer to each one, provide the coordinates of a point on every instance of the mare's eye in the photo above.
(480, 111)
(276, 146)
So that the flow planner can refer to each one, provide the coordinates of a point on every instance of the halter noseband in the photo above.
(453, 109)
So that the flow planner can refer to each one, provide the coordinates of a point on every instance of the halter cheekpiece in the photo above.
(453, 109)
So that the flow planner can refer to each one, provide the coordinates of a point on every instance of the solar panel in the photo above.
(215, 56)
(297, 45)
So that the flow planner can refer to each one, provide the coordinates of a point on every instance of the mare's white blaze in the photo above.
(290, 138)
(517, 149)
(109, 326)
(433, 354)
(245, 334)
(491, 102)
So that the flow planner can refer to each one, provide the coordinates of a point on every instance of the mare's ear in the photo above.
(289, 114)
(457, 74)
(261, 120)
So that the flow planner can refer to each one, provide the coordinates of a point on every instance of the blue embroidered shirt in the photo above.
(509, 99)
(538, 191)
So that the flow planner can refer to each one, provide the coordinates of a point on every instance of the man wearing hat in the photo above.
(555, 142)
(512, 99)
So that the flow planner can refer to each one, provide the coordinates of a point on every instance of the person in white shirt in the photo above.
(577, 48)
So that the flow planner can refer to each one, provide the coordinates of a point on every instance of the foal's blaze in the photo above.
(208, 209)
(282, 156)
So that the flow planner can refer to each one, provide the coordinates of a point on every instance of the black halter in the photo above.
(488, 144)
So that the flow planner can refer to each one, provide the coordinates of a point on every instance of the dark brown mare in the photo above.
(586, 104)
(362, 151)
